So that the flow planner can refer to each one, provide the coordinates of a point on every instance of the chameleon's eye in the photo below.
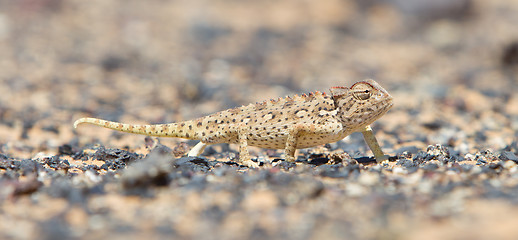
(363, 95)
(362, 91)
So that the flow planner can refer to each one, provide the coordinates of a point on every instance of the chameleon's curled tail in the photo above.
(180, 130)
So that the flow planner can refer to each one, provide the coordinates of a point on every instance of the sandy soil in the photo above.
(452, 134)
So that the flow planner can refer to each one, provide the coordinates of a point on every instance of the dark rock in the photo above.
(510, 55)
(407, 163)
(430, 166)
(57, 163)
(436, 125)
(66, 149)
(404, 155)
(409, 149)
(193, 164)
(333, 171)
(318, 161)
(284, 164)
(153, 170)
(112, 63)
(27, 187)
(508, 156)
(24, 166)
(115, 158)
(365, 160)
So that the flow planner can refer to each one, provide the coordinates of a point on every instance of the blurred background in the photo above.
(447, 62)
(451, 66)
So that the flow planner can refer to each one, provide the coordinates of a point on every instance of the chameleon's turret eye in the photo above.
(362, 91)
(363, 95)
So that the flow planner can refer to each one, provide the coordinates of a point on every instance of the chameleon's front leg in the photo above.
(244, 155)
(291, 143)
(373, 144)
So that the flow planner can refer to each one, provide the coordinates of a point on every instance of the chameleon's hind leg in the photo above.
(197, 150)
(244, 155)
(373, 144)
(291, 144)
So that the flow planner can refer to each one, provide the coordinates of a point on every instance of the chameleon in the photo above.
(289, 123)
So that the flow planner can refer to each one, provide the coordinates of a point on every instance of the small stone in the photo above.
(509, 164)
(368, 178)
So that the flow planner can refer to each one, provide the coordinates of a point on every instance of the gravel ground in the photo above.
(452, 135)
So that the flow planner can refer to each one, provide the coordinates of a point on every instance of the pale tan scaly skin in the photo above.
(290, 123)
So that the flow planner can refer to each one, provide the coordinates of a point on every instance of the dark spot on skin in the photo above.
(187, 134)
(203, 134)
(285, 126)
(287, 104)
(190, 127)
(207, 127)
(199, 124)
(182, 124)
(211, 132)
(234, 120)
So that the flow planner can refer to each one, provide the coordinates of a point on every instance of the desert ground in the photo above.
(452, 134)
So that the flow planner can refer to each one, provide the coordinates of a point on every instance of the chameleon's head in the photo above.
(361, 104)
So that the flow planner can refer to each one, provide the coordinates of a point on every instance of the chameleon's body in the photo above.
(290, 123)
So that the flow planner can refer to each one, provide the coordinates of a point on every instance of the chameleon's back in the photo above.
(267, 124)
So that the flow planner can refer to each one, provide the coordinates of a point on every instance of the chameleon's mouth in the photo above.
(386, 106)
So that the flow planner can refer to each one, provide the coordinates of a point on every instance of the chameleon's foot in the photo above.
(249, 163)
(290, 158)
(382, 158)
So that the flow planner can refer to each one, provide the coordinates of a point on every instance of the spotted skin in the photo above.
(289, 123)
